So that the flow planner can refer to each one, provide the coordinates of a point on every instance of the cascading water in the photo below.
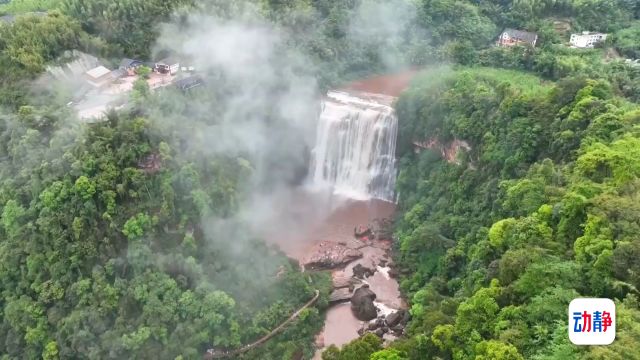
(355, 146)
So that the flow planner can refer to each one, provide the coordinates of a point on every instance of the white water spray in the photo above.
(355, 146)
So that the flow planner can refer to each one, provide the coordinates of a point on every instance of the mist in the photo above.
(229, 159)
(260, 102)
(387, 27)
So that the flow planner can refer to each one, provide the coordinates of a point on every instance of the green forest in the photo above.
(106, 243)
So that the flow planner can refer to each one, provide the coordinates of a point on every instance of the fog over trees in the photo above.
(132, 237)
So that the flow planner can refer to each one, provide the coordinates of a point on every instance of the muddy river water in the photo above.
(354, 155)
(306, 218)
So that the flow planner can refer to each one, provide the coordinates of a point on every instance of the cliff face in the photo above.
(449, 150)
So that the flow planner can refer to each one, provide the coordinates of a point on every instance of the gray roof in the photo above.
(126, 63)
(188, 82)
(521, 35)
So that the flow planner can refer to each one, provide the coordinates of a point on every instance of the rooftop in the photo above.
(188, 82)
(126, 62)
(98, 72)
(588, 33)
(522, 35)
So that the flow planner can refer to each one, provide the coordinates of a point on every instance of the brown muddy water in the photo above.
(303, 218)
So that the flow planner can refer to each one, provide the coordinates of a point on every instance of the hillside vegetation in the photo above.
(541, 210)
(115, 236)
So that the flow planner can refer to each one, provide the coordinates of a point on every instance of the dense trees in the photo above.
(131, 24)
(101, 257)
(360, 349)
(527, 213)
(26, 6)
(627, 41)
(27, 45)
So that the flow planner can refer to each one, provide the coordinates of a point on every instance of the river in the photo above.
(351, 183)
(311, 217)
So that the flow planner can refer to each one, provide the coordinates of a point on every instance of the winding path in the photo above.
(219, 354)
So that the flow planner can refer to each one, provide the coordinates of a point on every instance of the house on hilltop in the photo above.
(512, 37)
(586, 39)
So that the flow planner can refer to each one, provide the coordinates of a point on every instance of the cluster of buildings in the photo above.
(512, 37)
(103, 88)
(101, 76)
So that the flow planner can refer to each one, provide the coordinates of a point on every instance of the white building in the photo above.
(586, 39)
(168, 66)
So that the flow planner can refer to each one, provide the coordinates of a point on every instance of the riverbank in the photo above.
(348, 318)
(320, 235)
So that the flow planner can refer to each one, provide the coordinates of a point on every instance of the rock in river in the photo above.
(330, 255)
(342, 281)
(361, 272)
(339, 295)
(395, 318)
(362, 303)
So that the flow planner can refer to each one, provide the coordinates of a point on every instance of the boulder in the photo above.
(339, 295)
(364, 292)
(406, 316)
(330, 255)
(360, 271)
(398, 329)
(362, 304)
(383, 228)
(341, 280)
(365, 310)
(395, 318)
(362, 231)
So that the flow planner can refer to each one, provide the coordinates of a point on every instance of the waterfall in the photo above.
(355, 146)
